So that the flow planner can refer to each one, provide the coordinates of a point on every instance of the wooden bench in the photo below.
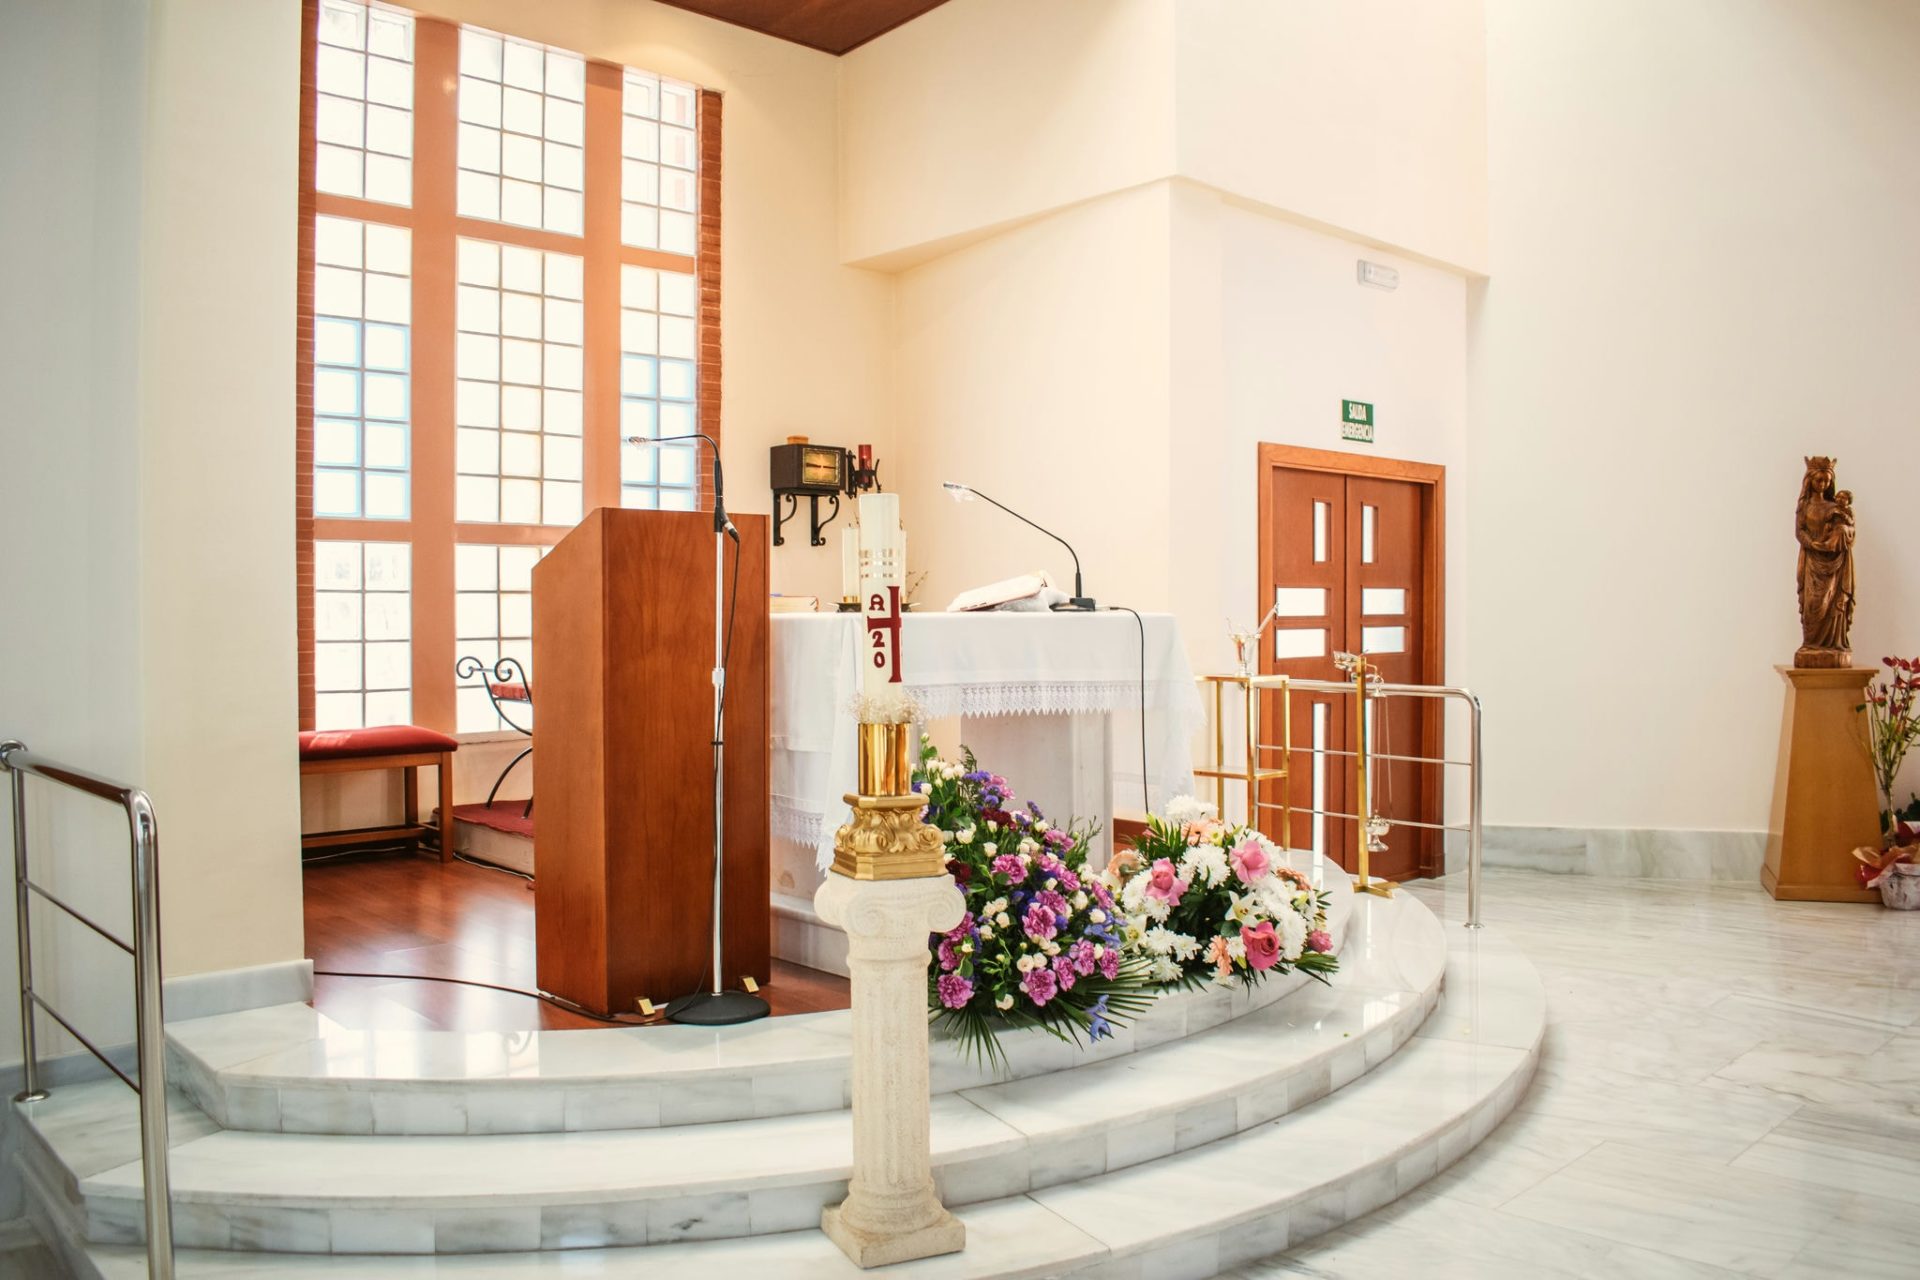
(396, 746)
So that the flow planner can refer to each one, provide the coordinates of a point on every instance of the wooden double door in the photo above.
(1350, 552)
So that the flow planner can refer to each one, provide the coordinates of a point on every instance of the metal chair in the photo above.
(507, 685)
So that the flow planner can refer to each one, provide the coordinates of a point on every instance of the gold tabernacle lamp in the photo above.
(800, 469)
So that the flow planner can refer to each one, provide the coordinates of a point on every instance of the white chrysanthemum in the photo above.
(1158, 942)
(1237, 947)
(1165, 970)
(1205, 864)
(1157, 909)
(1185, 947)
(1275, 896)
(1184, 809)
(1134, 895)
(1293, 934)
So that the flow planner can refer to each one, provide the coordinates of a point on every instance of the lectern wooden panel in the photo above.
(623, 659)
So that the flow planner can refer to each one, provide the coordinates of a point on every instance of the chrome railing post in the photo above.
(150, 1018)
(23, 934)
(1474, 776)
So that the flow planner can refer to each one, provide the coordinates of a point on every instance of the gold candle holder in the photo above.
(885, 760)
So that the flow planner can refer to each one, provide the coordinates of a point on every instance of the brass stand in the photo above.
(1250, 771)
(1363, 824)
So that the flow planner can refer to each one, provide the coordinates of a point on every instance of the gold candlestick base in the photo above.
(1378, 888)
(886, 840)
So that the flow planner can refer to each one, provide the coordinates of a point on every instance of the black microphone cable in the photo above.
(1145, 806)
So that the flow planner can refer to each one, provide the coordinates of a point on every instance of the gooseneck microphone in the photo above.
(1080, 601)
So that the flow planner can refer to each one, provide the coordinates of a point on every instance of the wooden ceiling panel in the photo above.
(832, 26)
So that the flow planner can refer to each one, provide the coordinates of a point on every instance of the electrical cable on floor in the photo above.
(557, 1002)
(1145, 806)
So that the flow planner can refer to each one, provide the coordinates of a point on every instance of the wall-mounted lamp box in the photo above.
(800, 469)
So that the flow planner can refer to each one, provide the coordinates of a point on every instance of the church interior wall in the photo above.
(1701, 264)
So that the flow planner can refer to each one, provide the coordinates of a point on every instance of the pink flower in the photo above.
(947, 956)
(1040, 922)
(1250, 860)
(955, 990)
(1319, 940)
(1012, 866)
(1063, 972)
(1040, 985)
(1081, 954)
(1165, 883)
(1055, 903)
(1109, 964)
(1263, 947)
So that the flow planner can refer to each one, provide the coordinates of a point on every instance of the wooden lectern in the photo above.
(623, 655)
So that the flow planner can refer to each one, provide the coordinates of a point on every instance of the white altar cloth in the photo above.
(979, 666)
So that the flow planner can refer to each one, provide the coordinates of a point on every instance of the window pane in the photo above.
(363, 118)
(360, 383)
(362, 593)
(656, 395)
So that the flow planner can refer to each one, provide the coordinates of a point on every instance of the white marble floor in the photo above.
(1730, 1087)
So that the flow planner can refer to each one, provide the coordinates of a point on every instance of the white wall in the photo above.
(1703, 268)
(1367, 117)
(985, 112)
(149, 202)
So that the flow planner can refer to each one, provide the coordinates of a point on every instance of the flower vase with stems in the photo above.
(1893, 726)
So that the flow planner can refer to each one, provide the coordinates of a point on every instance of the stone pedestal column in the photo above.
(888, 890)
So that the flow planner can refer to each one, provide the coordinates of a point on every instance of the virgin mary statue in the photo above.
(1824, 526)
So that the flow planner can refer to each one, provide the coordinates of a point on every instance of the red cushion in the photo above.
(387, 740)
(515, 692)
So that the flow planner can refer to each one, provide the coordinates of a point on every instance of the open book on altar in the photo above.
(1028, 592)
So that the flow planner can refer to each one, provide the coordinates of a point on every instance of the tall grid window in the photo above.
(363, 618)
(493, 619)
(363, 118)
(470, 358)
(521, 373)
(523, 133)
(658, 383)
(362, 304)
(658, 186)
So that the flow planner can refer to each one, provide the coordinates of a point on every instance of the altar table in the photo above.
(1050, 701)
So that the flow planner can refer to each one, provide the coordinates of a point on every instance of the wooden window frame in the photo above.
(431, 529)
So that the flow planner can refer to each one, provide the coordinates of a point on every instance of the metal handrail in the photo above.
(149, 1017)
(1376, 688)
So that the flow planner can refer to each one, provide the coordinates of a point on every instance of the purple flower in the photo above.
(1098, 1027)
(1103, 897)
(1063, 972)
(1055, 903)
(962, 931)
(1012, 866)
(1040, 922)
(955, 990)
(948, 958)
(1040, 986)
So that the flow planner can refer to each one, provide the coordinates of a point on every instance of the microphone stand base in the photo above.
(1079, 604)
(717, 1009)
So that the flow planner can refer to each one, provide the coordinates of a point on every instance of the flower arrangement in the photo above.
(1040, 944)
(1893, 727)
(1204, 901)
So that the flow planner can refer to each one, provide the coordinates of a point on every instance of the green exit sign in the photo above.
(1356, 421)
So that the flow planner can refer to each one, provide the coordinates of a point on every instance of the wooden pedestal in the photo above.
(623, 651)
(1824, 801)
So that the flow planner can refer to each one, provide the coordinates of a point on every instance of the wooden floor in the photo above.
(399, 915)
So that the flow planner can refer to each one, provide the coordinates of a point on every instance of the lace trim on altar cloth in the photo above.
(792, 820)
(1049, 698)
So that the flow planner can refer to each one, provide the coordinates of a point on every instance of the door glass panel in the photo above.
(1319, 533)
(1383, 639)
(1366, 534)
(1306, 642)
(1383, 600)
(1301, 602)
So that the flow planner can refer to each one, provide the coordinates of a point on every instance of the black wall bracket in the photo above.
(791, 499)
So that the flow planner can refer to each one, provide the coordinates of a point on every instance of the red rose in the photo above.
(1263, 948)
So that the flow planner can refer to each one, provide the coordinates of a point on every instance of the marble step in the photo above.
(291, 1069)
(1184, 1215)
(303, 1192)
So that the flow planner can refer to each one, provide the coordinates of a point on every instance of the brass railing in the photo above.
(1370, 826)
(149, 1020)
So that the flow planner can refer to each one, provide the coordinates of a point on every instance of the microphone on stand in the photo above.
(718, 1007)
(1080, 602)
